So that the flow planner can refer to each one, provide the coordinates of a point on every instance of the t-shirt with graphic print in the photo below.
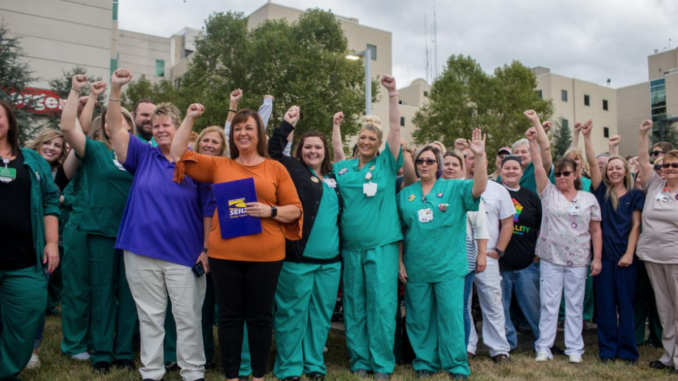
(521, 250)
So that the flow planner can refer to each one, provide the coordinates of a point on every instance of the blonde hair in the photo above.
(442, 146)
(222, 136)
(373, 123)
(610, 194)
(45, 136)
(95, 128)
(167, 110)
(673, 154)
(576, 151)
(128, 119)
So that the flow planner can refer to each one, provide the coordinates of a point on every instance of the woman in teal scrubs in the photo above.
(433, 263)
(369, 241)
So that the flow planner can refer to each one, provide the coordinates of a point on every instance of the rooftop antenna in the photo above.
(428, 66)
(435, 40)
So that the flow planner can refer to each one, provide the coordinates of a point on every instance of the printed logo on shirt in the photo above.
(237, 208)
(411, 198)
(343, 171)
(519, 209)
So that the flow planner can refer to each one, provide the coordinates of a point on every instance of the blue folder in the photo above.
(231, 198)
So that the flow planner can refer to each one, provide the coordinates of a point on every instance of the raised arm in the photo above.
(540, 175)
(596, 176)
(409, 174)
(86, 115)
(542, 140)
(477, 145)
(236, 96)
(72, 134)
(183, 134)
(337, 143)
(70, 165)
(393, 115)
(278, 141)
(266, 110)
(575, 135)
(118, 135)
(643, 155)
(613, 143)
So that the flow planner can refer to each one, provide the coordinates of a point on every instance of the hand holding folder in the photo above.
(232, 198)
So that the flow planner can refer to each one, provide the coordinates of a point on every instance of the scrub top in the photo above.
(369, 222)
(436, 250)
(323, 242)
(617, 224)
(109, 185)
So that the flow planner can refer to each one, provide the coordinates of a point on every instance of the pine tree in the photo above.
(561, 139)
(62, 86)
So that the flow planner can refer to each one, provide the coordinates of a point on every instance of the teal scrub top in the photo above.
(323, 242)
(585, 182)
(436, 250)
(143, 140)
(369, 222)
(109, 185)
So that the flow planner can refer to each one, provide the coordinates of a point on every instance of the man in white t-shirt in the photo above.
(499, 211)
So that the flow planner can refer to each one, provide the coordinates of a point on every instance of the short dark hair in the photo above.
(565, 162)
(241, 117)
(326, 166)
(13, 133)
(145, 100)
(665, 146)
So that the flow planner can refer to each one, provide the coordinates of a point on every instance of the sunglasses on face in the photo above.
(657, 153)
(566, 174)
(427, 161)
(669, 165)
(657, 167)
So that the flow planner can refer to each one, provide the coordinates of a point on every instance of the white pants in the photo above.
(664, 279)
(150, 281)
(552, 281)
(488, 286)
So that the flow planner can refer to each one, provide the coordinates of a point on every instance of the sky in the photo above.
(592, 40)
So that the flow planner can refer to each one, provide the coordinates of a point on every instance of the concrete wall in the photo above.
(138, 53)
(660, 63)
(634, 107)
(57, 35)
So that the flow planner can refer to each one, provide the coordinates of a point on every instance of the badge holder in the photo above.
(425, 215)
(370, 188)
(7, 175)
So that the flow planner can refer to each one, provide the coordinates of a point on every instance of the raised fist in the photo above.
(236, 95)
(546, 126)
(531, 115)
(577, 127)
(195, 110)
(531, 134)
(587, 127)
(460, 144)
(645, 126)
(121, 77)
(292, 115)
(338, 118)
(97, 88)
(388, 82)
(614, 140)
(269, 96)
(79, 82)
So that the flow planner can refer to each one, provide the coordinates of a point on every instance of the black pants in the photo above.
(245, 292)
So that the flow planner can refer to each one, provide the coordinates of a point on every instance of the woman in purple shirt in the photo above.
(162, 235)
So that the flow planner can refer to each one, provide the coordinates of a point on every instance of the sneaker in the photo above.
(325, 350)
(84, 356)
(541, 357)
(34, 362)
(575, 358)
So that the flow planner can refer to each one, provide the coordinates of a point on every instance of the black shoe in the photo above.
(606, 360)
(557, 351)
(362, 373)
(210, 365)
(458, 376)
(125, 364)
(243, 378)
(295, 378)
(382, 376)
(658, 365)
(422, 374)
(102, 367)
(316, 376)
(500, 358)
(171, 366)
(200, 379)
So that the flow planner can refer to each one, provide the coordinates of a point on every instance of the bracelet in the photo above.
(233, 111)
(77, 91)
(113, 99)
(393, 94)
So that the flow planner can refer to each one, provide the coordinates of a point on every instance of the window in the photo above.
(606, 132)
(115, 10)
(402, 121)
(426, 94)
(565, 123)
(605, 104)
(563, 95)
(587, 100)
(373, 51)
(160, 68)
(540, 94)
(114, 65)
(400, 101)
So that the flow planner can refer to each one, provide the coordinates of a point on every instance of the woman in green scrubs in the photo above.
(433, 263)
(369, 241)
(113, 312)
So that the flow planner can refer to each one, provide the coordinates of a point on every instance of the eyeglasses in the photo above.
(669, 165)
(657, 167)
(566, 174)
(427, 161)
(657, 153)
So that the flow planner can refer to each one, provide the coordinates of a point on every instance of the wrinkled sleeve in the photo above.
(200, 168)
(391, 162)
(50, 192)
(479, 223)
(465, 191)
(135, 152)
(208, 203)
(287, 195)
(595, 210)
(265, 111)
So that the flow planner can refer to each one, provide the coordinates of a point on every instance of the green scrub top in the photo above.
(143, 140)
(369, 222)
(323, 243)
(585, 183)
(109, 185)
(436, 250)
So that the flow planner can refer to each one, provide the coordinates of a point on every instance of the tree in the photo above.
(142, 88)
(14, 78)
(465, 97)
(671, 133)
(561, 139)
(302, 63)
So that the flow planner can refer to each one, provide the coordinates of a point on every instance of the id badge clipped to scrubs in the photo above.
(574, 209)
(662, 197)
(425, 215)
(370, 189)
(332, 183)
(7, 175)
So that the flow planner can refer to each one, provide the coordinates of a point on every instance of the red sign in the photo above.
(44, 101)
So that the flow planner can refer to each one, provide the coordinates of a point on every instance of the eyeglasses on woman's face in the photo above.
(427, 161)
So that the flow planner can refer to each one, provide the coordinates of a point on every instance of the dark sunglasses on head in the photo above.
(566, 174)
(669, 165)
(427, 161)
(657, 153)
(657, 167)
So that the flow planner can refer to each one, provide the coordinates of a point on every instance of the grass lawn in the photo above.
(56, 367)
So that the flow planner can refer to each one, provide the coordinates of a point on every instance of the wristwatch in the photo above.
(500, 252)
(204, 250)
(274, 211)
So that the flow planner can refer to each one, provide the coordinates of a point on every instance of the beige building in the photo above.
(575, 100)
(411, 98)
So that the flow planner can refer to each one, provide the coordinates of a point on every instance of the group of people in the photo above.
(123, 205)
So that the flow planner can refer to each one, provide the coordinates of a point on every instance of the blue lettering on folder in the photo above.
(232, 198)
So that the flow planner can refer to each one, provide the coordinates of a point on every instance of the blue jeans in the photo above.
(525, 283)
(468, 287)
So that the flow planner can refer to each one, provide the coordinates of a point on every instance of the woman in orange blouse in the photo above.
(245, 269)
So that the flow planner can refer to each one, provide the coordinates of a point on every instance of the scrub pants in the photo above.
(645, 307)
(77, 293)
(170, 346)
(589, 304)
(468, 292)
(435, 325)
(370, 280)
(525, 284)
(664, 278)
(554, 280)
(55, 286)
(23, 299)
(305, 300)
(614, 291)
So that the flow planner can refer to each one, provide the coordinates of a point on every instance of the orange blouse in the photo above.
(274, 187)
